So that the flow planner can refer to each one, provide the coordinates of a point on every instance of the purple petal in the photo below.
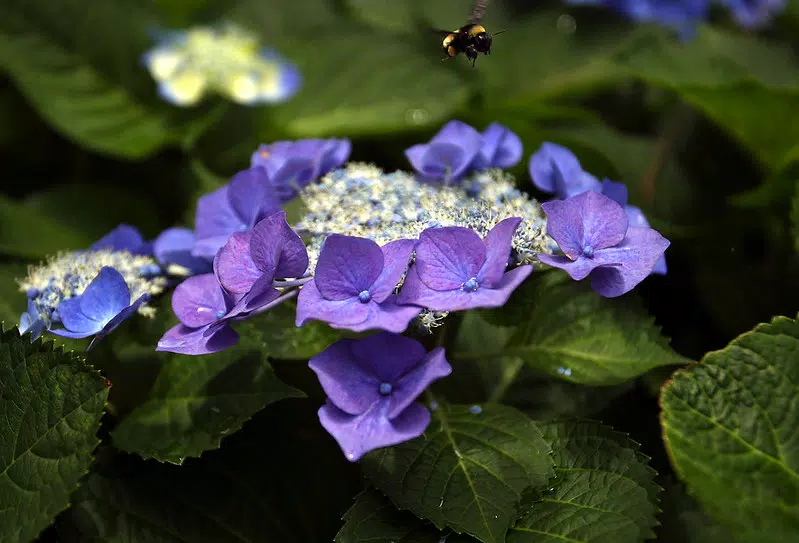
(337, 313)
(412, 384)
(615, 191)
(388, 356)
(445, 161)
(336, 153)
(293, 174)
(460, 133)
(501, 148)
(251, 196)
(415, 155)
(207, 248)
(215, 218)
(660, 266)
(577, 269)
(122, 238)
(388, 316)
(234, 266)
(348, 385)
(498, 248)
(414, 291)
(174, 246)
(106, 295)
(631, 262)
(347, 266)
(74, 321)
(261, 294)
(357, 435)
(198, 341)
(449, 256)
(275, 246)
(119, 319)
(199, 301)
(396, 256)
(588, 219)
(554, 168)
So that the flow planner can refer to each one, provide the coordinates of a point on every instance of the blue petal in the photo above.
(122, 238)
(174, 246)
(75, 321)
(119, 318)
(105, 297)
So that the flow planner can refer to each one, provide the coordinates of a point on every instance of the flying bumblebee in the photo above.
(470, 39)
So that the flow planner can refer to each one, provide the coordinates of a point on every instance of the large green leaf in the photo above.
(573, 333)
(282, 479)
(605, 491)
(795, 218)
(731, 426)
(50, 409)
(77, 63)
(683, 521)
(12, 301)
(471, 471)
(196, 401)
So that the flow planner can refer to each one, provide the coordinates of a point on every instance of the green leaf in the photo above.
(731, 423)
(197, 401)
(281, 478)
(398, 17)
(605, 489)
(50, 409)
(361, 97)
(374, 519)
(12, 301)
(27, 233)
(683, 521)
(714, 58)
(471, 472)
(795, 218)
(88, 52)
(573, 333)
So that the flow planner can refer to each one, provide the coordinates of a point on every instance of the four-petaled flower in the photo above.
(353, 285)
(250, 261)
(456, 270)
(205, 311)
(594, 234)
(235, 207)
(371, 386)
(458, 149)
(102, 307)
(294, 164)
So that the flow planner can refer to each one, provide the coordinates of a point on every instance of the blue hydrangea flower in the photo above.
(205, 312)
(371, 386)
(235, 207)
(294, 164)
(683, 16)
(455, 270)
(250, 261)
(32, 322)
(594, 235)
(226, 60)
(103, 306)
(354, 283)
(458, 149)
(123, 238)
(174, 246)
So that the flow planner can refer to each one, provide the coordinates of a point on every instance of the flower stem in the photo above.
(681, 119)
(293, 283)
(277, 301)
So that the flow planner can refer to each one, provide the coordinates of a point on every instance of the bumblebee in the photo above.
(470, 39)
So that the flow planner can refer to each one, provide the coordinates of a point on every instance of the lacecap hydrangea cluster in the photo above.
(389, 252)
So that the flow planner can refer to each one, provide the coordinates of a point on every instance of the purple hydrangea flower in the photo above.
(371, 386)
(205, 311)
(235, 207)
(102, 307)
(353, 285)
(753, 14)
(123, 238)
(455, 270)
(174, 246)
(683, 16)
(292, 165)
(250, 261)
(555, 169)
(458, 149)
(594, 234)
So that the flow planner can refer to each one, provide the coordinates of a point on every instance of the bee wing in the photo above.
(478, 10)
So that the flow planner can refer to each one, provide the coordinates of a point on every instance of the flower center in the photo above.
(588, 251)
(364, 297)
(471, 285)
(385, 389)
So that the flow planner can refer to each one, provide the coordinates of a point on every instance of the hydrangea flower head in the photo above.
(594, 235)
(226, 60)
(69, 275)
(103, 305)
(205, 311)
(371, 386)
(458, 149)
(235, 207)
(354, 283)
(292, 165)
(250, 261)
(455, 270)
